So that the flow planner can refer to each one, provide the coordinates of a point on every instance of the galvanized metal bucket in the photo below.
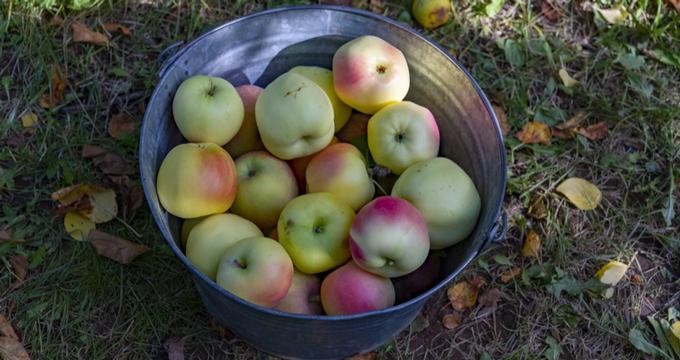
(256, 49)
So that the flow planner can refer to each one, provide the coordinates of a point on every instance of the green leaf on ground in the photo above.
(638, 340)
(554, 349)
(631, 61)
(513, 53)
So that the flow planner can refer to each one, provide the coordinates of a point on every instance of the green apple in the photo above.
(324, 78)
(187, 226)
(256, 269)
(445, 195)
(314, 229)
(294, 117)
(210, 238)
(265, 185)
(207, 109)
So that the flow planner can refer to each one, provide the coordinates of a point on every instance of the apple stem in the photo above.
(239, 264)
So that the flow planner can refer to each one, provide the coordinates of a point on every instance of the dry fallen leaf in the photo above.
(676, 5)
(91, 151)
(532, 244)
(175, 348)
(567, 129)
(510, 274)
(451, 321)
(463, 295)
(612, 272)
(614, 15)
(56, 21)
(12, 349)
(6, 328)
(94, 202)
(534, 132)
(20, 266)
(5, 235)
(58, 85)
(30, 121)
(131, 193)
(115, 27)
(83, 34)
(121, 124)
(377, 6)
(115, 248)
(112, 164)
(502, 119)
(583, 194)
(675, 330)
(537, 209)
(595, 132)
(567, 80)
(78, 226)
(490, 298)
(550, 11)
(367, 356)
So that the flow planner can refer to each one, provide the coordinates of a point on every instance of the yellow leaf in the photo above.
(675, 329)
(29, 120)
(463, 295)
(532, 244)
(96, 203)
(611, 273)
(582, 193)
(104, 207)
(534, 132)
(567, 80)
(78, 226)
(451, 321)
(614, 15)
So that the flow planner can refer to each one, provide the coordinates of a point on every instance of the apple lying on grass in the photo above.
(196, 180)
(265, 185)
(256, 269)
(207, 109)
(303, 296)
(369, 73)
(324, 78)
(247, 138)
(389, 237)
(431, 14)
(351, 290)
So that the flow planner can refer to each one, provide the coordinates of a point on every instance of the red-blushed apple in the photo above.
(340, 169)
(196, 180)
(313, 228)
(389, 237)
(303, 296)
(401, 135)
(419, 281)
(265, 185)
(299, 166)
(445, 195)
(356, 127)
(369, 73)
(210, 238)
(247, 138)
(324, 78)
(351, 290)
(294, 117)
(256, 269)
(207, 109)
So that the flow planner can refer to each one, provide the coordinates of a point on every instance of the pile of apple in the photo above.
(332, 245)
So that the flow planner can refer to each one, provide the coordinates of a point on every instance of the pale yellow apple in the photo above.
(324, 78)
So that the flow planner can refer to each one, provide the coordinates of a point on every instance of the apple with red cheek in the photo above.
(389, 237)
(303, 296)
(419, 281)
(196, 180)
(340, 169)
(351, 290)
(369, 73)
(299, 166)
(247, 138)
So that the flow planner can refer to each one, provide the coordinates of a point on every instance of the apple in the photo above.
(313, 228)
(265, 185)
(247, 138)
(389, 237)
(355, 128)
(402, 134)
(256, 269)
(369, 74)
(207, 109)
(303, 296)
(431, 14)
(340, 169)
(210, 238)
(324, 78)
(299, 166)
(419, 281)
(350, 290)
(196, 180)
(445, 195)
(187, 226)
(294, 117)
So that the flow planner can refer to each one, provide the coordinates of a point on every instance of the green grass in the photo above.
(75, 304)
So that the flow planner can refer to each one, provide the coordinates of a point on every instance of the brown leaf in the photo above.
(83, 34)
(490, 298)
(463, 295)
(20, 266)
(175, 348)
(534, 132)
(502, 119)
(112, 164)
(115, 27)
(12, 349)
(58, 85)
(451, 321)
(676, 4)
(377, 6)
(595, 132)
(637, 279)
(56, 21)
(550, 11)
(115, 248)
(537, 209)
(82, 205)
(366, 356)
(6, 328)
(96, 203)
(5, 235)
(132, 194)
(510, 274)
(121, 124)
(532, 244)
(573, 122)
(563, 134)
(91, 151)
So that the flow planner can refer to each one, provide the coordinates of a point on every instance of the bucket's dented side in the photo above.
(256, 49)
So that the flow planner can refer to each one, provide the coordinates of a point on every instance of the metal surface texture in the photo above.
(256, 49)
